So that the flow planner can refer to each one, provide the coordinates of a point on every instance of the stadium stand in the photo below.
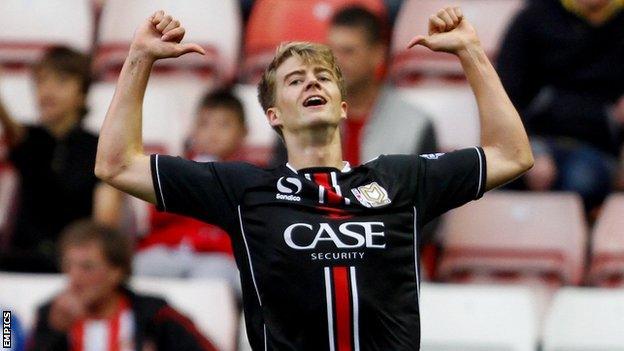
(216, 316)
(215, 25)
(290, 20)
(507, 236)
(163, 130)
(452, 109)
(28, 27)
(607, 249)
(489, 17)
(477, 318)
(585, 319)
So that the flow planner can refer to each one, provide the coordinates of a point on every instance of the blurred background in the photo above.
(536, 265)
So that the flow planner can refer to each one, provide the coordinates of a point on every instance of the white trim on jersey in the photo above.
(321, 194)
(253, 276)
(416, 258)
(162, 197)
(330, 311)
(291, 167)
(335, 185)
(356, 312)
(481, 180)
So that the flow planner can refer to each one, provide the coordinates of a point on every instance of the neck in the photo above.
(361, 98)
(105, 307)
(61, 128)
(317, 147)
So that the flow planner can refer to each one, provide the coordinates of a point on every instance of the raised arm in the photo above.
(503, 137)
(120, 160)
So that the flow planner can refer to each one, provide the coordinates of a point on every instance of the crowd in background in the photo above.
(560, 61)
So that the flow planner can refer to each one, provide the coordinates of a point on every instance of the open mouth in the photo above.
(314, 100)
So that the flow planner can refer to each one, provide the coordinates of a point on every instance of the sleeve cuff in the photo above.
(482, 181)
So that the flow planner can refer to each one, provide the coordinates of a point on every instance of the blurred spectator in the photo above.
(379, 121)
(98, 311)
(561, 63)
(178, 246)
(54, 160)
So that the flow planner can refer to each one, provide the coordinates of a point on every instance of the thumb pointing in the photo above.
(418, 40)
(190, 47)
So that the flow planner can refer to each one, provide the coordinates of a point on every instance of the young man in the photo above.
(98, 311)
(54, 160)
(327, 253)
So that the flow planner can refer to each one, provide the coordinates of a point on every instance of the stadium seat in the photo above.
(511, 236)
(585, 319)
(453, 110)
(215, 25)
(305, 20)
(215, 316)
(17, 94)
(489, 17)
(260, 137)
(477, 318)
(28, 27)
(607, 256)
(163, 125)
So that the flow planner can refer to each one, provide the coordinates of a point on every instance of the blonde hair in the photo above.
(308, 53)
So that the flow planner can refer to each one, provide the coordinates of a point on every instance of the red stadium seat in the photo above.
(29, 27)
(274, 21)
(607, 256)
(512, 237)
(489, 17)
(215, 25)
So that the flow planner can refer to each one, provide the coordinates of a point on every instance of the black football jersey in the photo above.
(328, 258)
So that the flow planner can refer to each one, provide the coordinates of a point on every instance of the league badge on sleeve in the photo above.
(371, 195)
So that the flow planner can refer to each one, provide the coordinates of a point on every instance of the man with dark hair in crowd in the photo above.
(357, 38)
(561, 62)
(97, 307)
(54, 161)
(179, 246)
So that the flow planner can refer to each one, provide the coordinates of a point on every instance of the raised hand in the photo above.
(449, 32)
(160, 37)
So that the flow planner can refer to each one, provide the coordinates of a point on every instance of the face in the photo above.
(218, 132)
(59, 95)
(307, 96)
(90, 276)
(356, 56)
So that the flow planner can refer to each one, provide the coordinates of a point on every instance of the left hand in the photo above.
(449, 32)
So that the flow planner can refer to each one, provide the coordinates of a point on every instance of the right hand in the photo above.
(159, 37)
(543, 175)
(67, 308)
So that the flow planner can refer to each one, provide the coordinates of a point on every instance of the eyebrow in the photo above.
(302, 71)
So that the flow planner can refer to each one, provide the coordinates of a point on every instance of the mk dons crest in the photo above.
(371, 195)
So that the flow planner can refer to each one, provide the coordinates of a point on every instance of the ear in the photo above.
(273, 116)
(343, 110)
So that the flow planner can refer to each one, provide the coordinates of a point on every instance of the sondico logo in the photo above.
(290, 186)
(350, 235)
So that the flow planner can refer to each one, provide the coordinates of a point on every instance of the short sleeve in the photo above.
(207, 191)
(449, 180)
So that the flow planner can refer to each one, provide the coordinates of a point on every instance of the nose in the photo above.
(312, 82)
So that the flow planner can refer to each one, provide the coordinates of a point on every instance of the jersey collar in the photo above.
(346, 168)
